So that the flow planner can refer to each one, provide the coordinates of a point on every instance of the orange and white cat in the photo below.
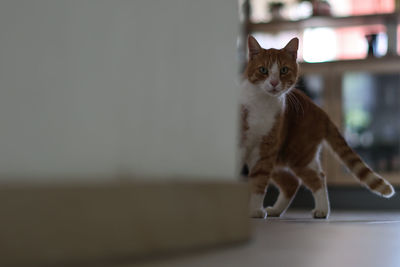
(282, 132)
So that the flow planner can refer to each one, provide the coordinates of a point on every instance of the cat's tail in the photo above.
(356, 165)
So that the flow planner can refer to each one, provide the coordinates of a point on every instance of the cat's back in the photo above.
(299, 107)
(305, 126)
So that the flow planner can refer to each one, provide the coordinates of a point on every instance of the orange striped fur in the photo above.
(282, 133)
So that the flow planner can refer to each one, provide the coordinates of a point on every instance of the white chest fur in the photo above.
(262, 110)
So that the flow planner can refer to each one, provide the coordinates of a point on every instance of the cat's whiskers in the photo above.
(292, 101)
(296, 102)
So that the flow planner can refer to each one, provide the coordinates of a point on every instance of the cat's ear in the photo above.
(254, 46)
(292, 47)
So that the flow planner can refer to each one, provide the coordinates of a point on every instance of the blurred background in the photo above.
(119, 124)
(349, 61)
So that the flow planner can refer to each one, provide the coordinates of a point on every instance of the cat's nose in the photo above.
(274, 83)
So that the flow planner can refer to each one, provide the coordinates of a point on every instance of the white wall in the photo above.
(102, 87)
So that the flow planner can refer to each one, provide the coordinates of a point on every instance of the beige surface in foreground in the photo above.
(87, 225)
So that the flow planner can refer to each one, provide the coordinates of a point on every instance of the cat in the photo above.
(282, 132)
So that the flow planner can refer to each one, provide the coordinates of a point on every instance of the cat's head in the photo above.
(272, 71)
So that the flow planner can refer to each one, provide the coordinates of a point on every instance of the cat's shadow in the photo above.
(303, 220)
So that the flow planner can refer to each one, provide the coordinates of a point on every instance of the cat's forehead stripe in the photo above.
(274, 68)
(271, 61)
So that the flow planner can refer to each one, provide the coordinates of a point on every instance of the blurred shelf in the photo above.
(333, 71)
(384, 64)
(334, 22)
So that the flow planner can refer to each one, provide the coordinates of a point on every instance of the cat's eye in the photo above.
(284, 70)
(263, 70)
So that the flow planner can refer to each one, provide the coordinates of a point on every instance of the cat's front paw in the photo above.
(320, 214)
(258, 213)
(272, 212)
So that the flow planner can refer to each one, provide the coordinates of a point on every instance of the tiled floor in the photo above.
(346, 239)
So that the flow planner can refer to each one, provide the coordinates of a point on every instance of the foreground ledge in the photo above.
(97, 223)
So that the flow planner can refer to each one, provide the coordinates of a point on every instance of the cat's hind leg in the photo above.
(314, 179)
(288, 184)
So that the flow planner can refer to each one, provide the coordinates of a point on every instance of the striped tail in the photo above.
(356, 165)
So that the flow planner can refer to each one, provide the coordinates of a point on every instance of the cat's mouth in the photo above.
(273, 91)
